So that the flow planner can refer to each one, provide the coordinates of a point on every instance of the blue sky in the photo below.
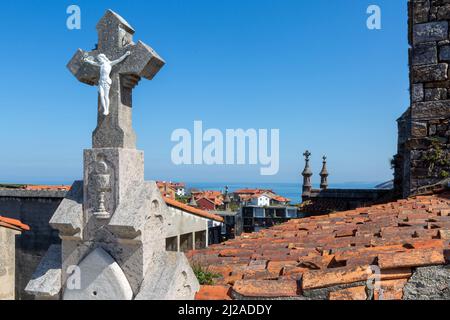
(309, 68)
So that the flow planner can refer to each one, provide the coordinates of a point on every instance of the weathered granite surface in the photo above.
(428, 283)
(101, 279)
(46, 280)
(171, 278)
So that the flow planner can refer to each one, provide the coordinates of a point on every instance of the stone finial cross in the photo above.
(307, 154)
(115, 41)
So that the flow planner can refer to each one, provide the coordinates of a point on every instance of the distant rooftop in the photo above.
(13, 224)
(35, 187)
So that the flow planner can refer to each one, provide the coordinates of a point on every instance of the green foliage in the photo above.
(444, 174)
(234, 207)
(392, 163)
(204, 277)
(183, 199)
(11, 186)
(437, 157)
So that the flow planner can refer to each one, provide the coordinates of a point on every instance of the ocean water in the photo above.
(289, 190)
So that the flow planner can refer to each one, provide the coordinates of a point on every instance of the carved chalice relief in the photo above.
(104, 82)
(102, 184)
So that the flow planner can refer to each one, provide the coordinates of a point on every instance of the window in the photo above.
(172, 244)
(186, 242)
(259, 212)
(291, 213)
(200, 240)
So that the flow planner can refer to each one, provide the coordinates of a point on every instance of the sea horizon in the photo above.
(290, 190)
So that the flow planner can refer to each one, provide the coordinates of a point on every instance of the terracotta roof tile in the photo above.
(355, 293)
(266, 288)
(195, 211)
(336, 276)
(411, 258)
(13, 224)
(217, 292)
(390, 290)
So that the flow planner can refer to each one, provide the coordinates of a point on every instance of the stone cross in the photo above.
(113, 224)
(115, 39)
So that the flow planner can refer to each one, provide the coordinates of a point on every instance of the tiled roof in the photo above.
(13, 224)
(37, 187)
(244, 196)
(171, 184)
(44, 187)
(281, 198)
(195, 211)
(251, 191)
(332, 253)
(215, 197)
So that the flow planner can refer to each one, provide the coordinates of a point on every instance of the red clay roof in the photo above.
(45, 187)
(215, 197)
(13, 224)
(252, 191)
(198, 212)
(292, 259)
(36, 187)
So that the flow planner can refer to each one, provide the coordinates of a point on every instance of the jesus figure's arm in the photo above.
(91, 62)
(114, 62)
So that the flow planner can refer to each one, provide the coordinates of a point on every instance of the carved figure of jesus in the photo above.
(104, 82)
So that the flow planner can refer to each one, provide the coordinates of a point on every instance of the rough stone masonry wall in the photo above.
(34, 208)
(424, 129)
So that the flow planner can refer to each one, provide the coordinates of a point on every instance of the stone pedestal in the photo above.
(133, 238)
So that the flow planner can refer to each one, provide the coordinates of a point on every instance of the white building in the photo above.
(191, 228)
(261, 200)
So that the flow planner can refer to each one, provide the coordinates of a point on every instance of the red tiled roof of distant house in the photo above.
(195, 211)
(13, 224)
(171, 184)
(334, 252)
(46, 188)
(252, 191)
(247, 197)
(281, 199)
(178, 184)
(205, 204)
(214, 196)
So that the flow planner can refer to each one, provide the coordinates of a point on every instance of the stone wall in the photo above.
(7, 263)
(424, 129)
(326, 201)
(34, 208)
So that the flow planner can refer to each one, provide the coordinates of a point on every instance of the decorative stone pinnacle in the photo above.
(324, 174)
(307, 174)
(307, 171)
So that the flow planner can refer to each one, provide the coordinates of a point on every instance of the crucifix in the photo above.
(116, 66)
